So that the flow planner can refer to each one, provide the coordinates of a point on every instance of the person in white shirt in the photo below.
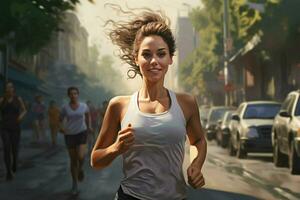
(75, 123)
(149, 127)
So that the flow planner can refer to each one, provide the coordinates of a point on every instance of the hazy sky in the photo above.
(93, 17)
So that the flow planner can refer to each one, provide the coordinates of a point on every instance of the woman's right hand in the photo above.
(124, 140)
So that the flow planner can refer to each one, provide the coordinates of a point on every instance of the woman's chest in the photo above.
(163, 130)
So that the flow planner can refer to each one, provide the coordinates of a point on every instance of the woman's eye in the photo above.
(146, 55)
(161, 54)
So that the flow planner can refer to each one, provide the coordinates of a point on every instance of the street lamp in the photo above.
(226, 48)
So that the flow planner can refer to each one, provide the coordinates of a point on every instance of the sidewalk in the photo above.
(27, 150)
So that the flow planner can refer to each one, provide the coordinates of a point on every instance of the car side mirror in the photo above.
(235, 117)
(284, 114)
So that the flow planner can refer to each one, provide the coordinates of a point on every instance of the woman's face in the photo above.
(73, 95)
(9, 88)
(153, 58)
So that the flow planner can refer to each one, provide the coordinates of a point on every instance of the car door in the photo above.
(236, 124)
(286, 124)
(281, 124)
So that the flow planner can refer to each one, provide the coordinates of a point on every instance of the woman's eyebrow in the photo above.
(161, 49)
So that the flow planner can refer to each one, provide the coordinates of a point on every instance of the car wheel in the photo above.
(241, 153)
(209, 137)
(223, 140)
(231, 149)
(217, 138)
(279, 159)
(294, 160)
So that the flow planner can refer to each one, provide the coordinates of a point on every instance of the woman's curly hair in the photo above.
(128, 35)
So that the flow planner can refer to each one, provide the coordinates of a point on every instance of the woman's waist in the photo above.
(155, 187)
(153, 162)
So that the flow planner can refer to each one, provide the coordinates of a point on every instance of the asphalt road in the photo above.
(43, 175)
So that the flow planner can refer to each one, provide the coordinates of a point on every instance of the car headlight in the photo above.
(252, 132)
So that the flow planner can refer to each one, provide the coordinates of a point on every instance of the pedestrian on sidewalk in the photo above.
(149, 128)
(12, 113)
(76, 123)
(39, 119)
(53, 118)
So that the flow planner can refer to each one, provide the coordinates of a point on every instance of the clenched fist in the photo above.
(124, 140)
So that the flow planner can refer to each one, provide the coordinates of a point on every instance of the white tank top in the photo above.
(152, 167)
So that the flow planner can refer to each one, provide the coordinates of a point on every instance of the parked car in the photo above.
(223, 129)
(215, 113)
(286, 134)
(204, 110)
(251, 127)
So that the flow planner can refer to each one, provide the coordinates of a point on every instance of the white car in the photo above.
(251, 127)
(286, 134)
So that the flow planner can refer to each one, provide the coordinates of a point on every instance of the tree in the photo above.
(105, 75)
(277, 21)
(32, 21)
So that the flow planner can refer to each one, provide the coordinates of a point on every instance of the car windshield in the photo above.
(297, 112)
(204, 113)
(261, 111)
(228, 117)
(216, 114)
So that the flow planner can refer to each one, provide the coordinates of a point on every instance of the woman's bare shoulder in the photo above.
(187, 103)
(185, 98)
(118, 102)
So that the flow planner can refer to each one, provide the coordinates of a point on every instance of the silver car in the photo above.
(251, 127)
(286, 134)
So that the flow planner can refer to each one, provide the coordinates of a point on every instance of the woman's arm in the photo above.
(196, 138)
(111, 142)
(88, 120)
(23, 109)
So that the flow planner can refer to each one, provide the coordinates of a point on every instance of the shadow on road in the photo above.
(210, 194)
(261, 157)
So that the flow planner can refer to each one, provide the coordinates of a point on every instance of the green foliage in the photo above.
(32, 21)
(105, 75)
(208, 23)
(278, 20)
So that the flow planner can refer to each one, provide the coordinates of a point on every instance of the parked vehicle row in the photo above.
(286, 134)
(214, 115)
(259, 127)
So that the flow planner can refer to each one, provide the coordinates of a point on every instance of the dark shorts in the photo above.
(123, 196)
(76, 140)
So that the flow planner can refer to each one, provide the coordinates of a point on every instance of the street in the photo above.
(43, 174)
(255, 176)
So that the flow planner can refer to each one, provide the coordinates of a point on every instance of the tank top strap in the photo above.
(175, 107)
(131, 109)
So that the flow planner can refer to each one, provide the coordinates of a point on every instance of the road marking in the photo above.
(285, 194)
(245, 173)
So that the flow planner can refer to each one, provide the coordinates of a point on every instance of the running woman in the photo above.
(149, 128)
(75, 119)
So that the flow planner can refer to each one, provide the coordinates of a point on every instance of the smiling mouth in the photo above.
(154, 70)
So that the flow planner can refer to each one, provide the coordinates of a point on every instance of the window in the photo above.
(286, 103)
(261, 111)
(216, 114)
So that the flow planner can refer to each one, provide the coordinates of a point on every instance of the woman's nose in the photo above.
(153, 60)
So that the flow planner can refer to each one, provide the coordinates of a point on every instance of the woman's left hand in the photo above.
(195, 177)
